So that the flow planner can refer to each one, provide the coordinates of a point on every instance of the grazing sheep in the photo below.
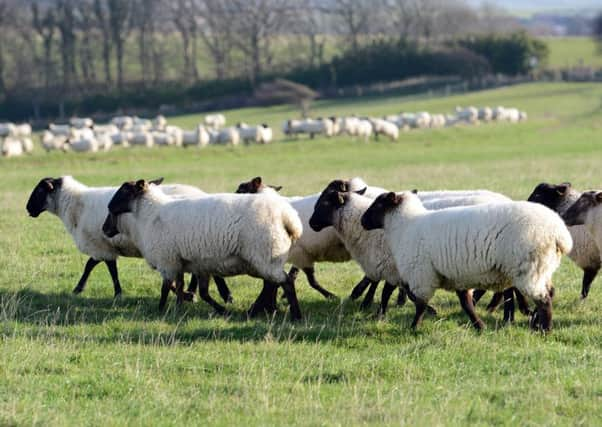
(83, 210)
(494, 246)
(485, 114)
(164, 139)
(159, 123)
(123, 122)
(215, 121)
(311, 247)
(468, 114)
(141, 138)
(261, 134)
(83, 145)
(53, 142)
(585, 252)
(223, 234)
(60, 130)
(226, 136)
(7, 129)
(383, 127)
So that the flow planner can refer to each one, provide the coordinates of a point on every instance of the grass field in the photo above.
(573, 51)
(75, 360)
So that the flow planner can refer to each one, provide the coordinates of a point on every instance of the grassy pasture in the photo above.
(69, 360)
(573, 51)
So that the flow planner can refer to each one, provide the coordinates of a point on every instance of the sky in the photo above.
(544, 5)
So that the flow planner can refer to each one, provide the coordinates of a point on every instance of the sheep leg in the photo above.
(291, 296)
(263, 300)
(204, 294)
(165, 288)
(509, 305)
(476, 295)
(466, 303)
(359, 289)
(496, 299)
(430, 310)
(311, 278)
(112, 266)
(402, 297)
(384, 299)
(420, 309)
(194, 283)
(589, 274)
(223, 289)
(369, 298)
(523, 304)
(90, 264)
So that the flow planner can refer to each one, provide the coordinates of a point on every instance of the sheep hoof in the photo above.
(430, 310)
(77, 290)
(117, 296)
(534, 321)
(188, 296)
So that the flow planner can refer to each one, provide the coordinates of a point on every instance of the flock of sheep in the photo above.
(83, 135)
(390, 126)
(468, 241)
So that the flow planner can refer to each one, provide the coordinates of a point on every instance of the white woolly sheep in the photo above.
(141, 138)
(226, 136)
(59, 130)
(222, 234)
(53, 142)
(81, 122)
(7, 129)
(11, 147)
(215, 121)
(83, 210)
(311, 247)
(383, 127)
(585, 252)
(494, 246)
(123, 122)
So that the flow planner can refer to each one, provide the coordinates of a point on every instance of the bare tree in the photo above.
(309, 22)
(119, 24)
(256, 23)
(597, 30)
(101, 12)
(65, 22)
(6, 18)
(184, 18)
(85, 26)
(216, 33)
(45, 26)
(354, 18)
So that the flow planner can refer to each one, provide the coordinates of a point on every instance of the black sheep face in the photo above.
(123, 199)
(41, 196)
(577, 213)
(327, 204)
(550, 195)
(374, 217)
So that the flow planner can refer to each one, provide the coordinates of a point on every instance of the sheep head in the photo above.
(39, 198)
(374, 217)
(578, 212)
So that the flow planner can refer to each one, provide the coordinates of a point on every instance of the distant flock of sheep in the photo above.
(83, 135)
(468, 242)
(390, 126)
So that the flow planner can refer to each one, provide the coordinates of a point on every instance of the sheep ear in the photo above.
(344, 186)
(598, 197)
(341, 197)
(256, 182)
(362, 191)
(415, 191)
(156, 181)
(395, 199)
(276, 187)
(141, 185)
(562, 189)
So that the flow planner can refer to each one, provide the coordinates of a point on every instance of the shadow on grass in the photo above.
(52, 315)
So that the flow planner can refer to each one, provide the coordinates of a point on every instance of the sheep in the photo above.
(318, 126)
(383, 127)
(423, 120)
(226, 136)
(59, 130)
(83, 145)
(437, 121)
(261, 134)
(27, 144)
(162, 138)
(292, 127)
(485, 114)
(267, 135)
(81, 122)
(159, 123)
(311, 247)
(468, 114)
(354, 126)
(585, 251)
(141, 123)
(83, 210)
(199, 137)
(494, 246)
(121, 138)
(23, 130)
(141, 138)
(52, 142)
(357, 185)
(7, 129)
(109, 129)
(123, 122)
(11, 147)
(105, 141)
(215, 121)
(224, 234)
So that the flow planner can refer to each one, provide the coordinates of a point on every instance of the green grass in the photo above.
(70, 360)
(573, 51)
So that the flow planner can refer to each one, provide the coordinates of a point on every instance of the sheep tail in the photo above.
(564, 242)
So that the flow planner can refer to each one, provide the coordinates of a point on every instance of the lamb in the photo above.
(495, 246)
(585, 252)
(383, 127)
(311, 247)
(224, 234)
(83, 210)
(215, 121)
